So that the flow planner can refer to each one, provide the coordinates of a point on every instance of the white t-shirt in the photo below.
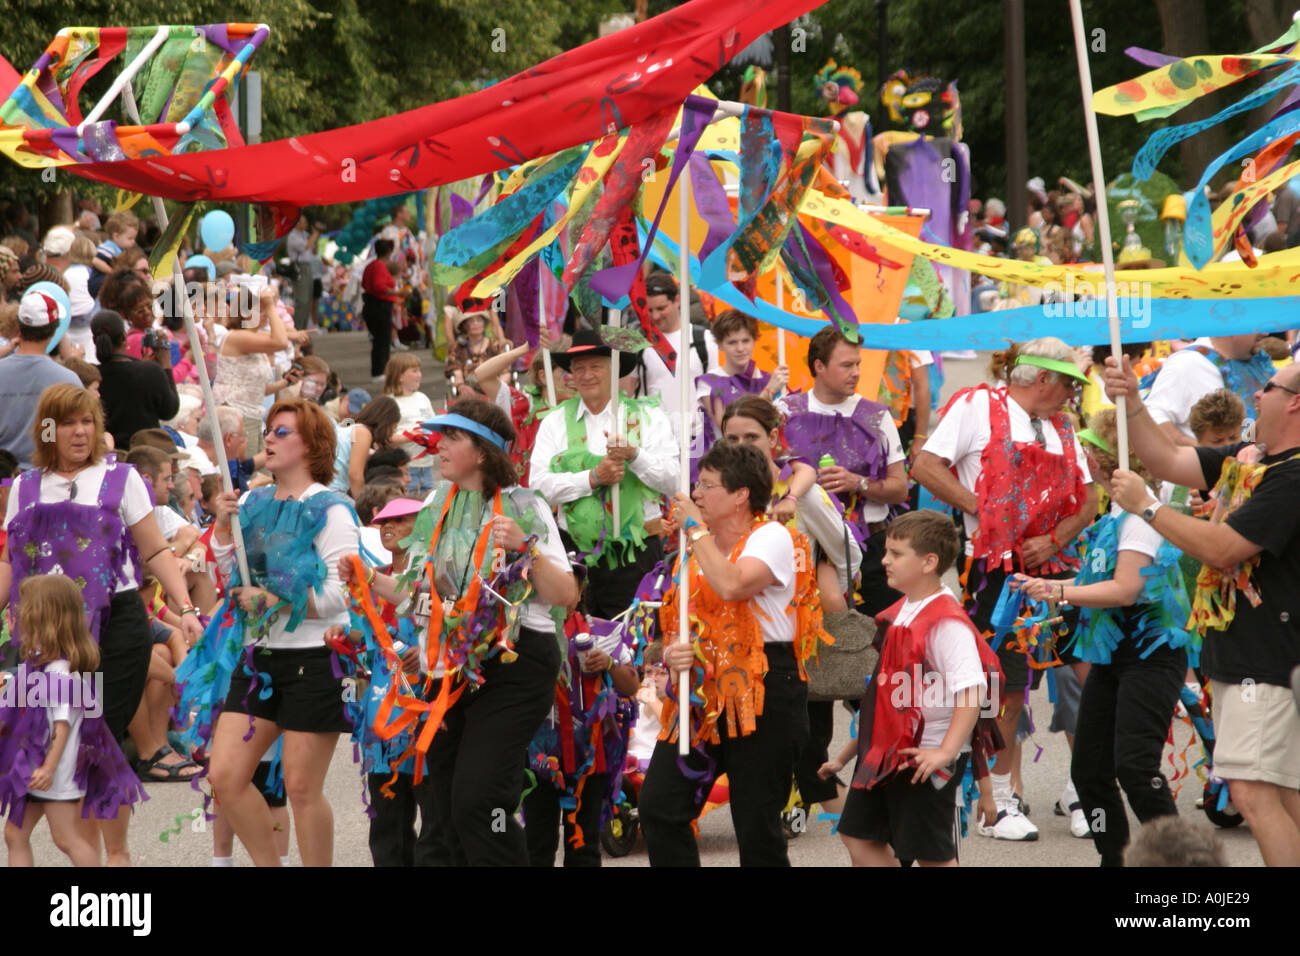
(1184, 379)
(951, 656)
(662, 383)
(83, 303)
(1136, 535)
(773, 545)
(872, 511)
(536, 614)
(964, 431)
(373, 541)
(69, 711)
(169, 522)
(337, 538)
(136, 504)
(415, 408)
(920, 359)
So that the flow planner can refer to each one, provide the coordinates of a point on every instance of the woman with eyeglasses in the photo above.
(753, 604)
(272, 668)
(136, 393)
(77, 514)
(489, 655)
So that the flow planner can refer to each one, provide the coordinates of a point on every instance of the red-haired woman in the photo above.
(295, 532)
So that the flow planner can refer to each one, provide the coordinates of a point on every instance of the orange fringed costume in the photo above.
(729, 644)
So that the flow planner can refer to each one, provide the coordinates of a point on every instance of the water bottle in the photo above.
(583, 643)
(826, 461)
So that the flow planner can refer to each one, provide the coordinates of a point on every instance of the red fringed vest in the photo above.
(1023, 489)
(888, 729)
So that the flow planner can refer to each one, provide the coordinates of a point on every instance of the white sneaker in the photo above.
(1069, 806)
(1011, 824)
(401, 347)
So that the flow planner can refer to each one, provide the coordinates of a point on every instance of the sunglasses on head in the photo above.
(282, 431)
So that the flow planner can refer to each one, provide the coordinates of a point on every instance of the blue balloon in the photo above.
(193, 262)
(217, 230)
(56, 293)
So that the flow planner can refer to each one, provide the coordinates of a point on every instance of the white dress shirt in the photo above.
(656, 463)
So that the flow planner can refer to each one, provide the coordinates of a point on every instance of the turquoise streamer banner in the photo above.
(1077, 323)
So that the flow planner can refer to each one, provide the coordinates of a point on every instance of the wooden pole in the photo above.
(196, 350)
(684, 455)
(1103, 219)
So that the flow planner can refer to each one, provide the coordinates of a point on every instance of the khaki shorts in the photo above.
(1257, 734)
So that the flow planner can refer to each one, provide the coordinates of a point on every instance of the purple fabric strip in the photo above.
(461, 211)
(1149, 57)
(711, 203)
(615, 282)
(820, 261)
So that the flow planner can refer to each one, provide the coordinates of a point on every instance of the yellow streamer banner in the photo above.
(1275, 275)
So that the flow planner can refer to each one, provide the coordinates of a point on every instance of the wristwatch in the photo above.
(1149, 512)
(863, 485)
(695, 534)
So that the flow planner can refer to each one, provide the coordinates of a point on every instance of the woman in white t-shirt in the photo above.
(742, 571)
(1132, 632)
(295, 532)
(402, 378)
(76, 514)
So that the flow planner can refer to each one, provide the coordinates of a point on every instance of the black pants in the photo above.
(1124, 716)
(876, 592)
(814, 753)
(759, 767)
(125, 649)
(378, 316)
(476, 763)
(543, 818)
(610, 591)
(393, 839)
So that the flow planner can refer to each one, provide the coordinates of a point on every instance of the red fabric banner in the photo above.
(576, 97)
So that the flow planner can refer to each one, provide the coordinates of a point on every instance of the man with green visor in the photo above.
(1008, 458)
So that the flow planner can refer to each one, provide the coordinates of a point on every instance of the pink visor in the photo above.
(397, 508)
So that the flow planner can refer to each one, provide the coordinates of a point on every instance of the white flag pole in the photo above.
(196, 350)
(1103, 217)
(684, 452)
(615, 418)
(546, 353)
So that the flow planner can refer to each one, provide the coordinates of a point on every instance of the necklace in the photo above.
(71, 479)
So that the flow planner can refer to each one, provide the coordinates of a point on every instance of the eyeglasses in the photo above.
(282, 432)
(1270, 385)
(707, 485)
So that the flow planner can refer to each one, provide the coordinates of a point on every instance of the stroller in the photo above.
(1214, 800)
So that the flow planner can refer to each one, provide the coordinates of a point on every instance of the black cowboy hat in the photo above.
(587, 343)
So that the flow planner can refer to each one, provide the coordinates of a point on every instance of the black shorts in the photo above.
(305, 696)
(260, 782)
(918, 820)
(33, 798)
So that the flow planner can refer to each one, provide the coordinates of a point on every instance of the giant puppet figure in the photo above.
(850, 163)
(927, 166)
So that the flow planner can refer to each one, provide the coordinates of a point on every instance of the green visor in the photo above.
(1092, 438)
(1053, 365)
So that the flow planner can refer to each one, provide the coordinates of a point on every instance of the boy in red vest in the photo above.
(920, 714)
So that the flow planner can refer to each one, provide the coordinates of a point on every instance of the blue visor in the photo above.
(441, 423)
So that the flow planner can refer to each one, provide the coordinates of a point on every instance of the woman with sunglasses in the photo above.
(489, 654)
(276, 675)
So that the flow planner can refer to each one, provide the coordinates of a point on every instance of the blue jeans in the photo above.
(422, 481)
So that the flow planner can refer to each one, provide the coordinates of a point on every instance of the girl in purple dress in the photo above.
(57, 755)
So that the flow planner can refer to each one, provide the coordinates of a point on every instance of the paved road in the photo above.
(1043, 777)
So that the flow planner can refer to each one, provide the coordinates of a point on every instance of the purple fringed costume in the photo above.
(852, 441)
(25, 734)
(88, 543)
(726, 389)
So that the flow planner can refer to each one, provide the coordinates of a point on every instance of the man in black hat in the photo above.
(583, 451)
